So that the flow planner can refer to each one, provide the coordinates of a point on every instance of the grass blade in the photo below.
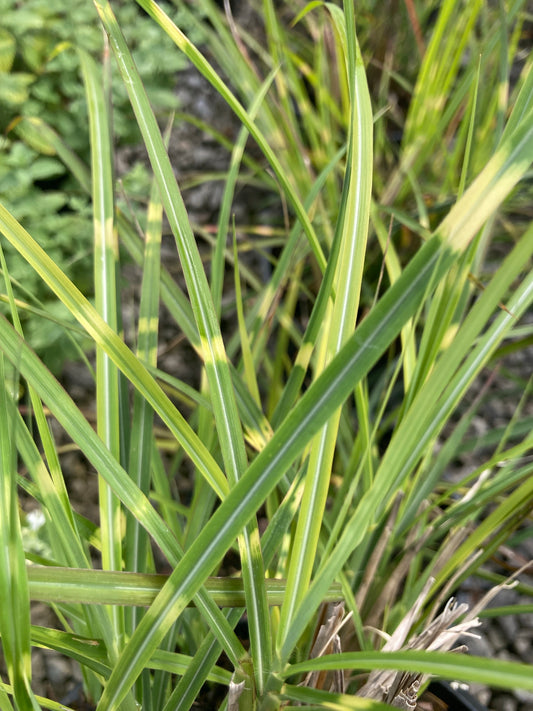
(106, 587)
(507, 675)
(82, 433)
(103, 335)
(184, 44)
(217, 369)
(15, 608)
(352, 229)
(105, 275)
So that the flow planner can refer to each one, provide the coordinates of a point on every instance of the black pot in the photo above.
(454, 699)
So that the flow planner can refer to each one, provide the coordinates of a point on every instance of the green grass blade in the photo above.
(409, 441)
(469, 138)
(458, 667)
(257, 427)
(80, 430)
(62, 531)
(523, 107)
(301, 363)
(217, 369)
(105, 280)
(328, 700)
(458, 228)
(198, 671)
(15, 608)
(141, 442)
(218, 262)
(104, 587)
(352, 228)
(114, 347)
(370, 505)
(89, 652)
(43, 703)
(82, 433)
(64, 536)
(302, 128)
(188, 687)
(5, 703)
(212, 347)
(51, 486)
(246, 351)
(61, 527)
(313, 410)
(439, 68)
(509, 163)
(186, 46)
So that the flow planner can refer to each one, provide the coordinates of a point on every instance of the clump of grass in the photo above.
(325, 428)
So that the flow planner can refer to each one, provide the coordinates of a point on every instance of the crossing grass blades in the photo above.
(320, 443)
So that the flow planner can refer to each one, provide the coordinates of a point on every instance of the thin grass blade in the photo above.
(83, 434)
(352, 231)
(105, 280)
(495, 672)
(188, 48)
(217, 369)
(142, 440)
(103, 335)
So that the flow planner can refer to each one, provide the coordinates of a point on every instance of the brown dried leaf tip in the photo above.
(400, 689)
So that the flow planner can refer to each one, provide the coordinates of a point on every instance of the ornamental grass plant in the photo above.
(334, 393)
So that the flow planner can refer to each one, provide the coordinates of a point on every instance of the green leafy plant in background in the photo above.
(324, 428)
(39, 79)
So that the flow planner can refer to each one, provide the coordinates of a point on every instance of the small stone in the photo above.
(58, 669)
(497, 638)
(505, 597)
(481, 692)
(504, 703)
(523, 646)
(524, 696)
(38, 670)
(478, 646)
(525, 619)
(509, 625)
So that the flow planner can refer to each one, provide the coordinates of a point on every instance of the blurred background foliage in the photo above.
(40, 78)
